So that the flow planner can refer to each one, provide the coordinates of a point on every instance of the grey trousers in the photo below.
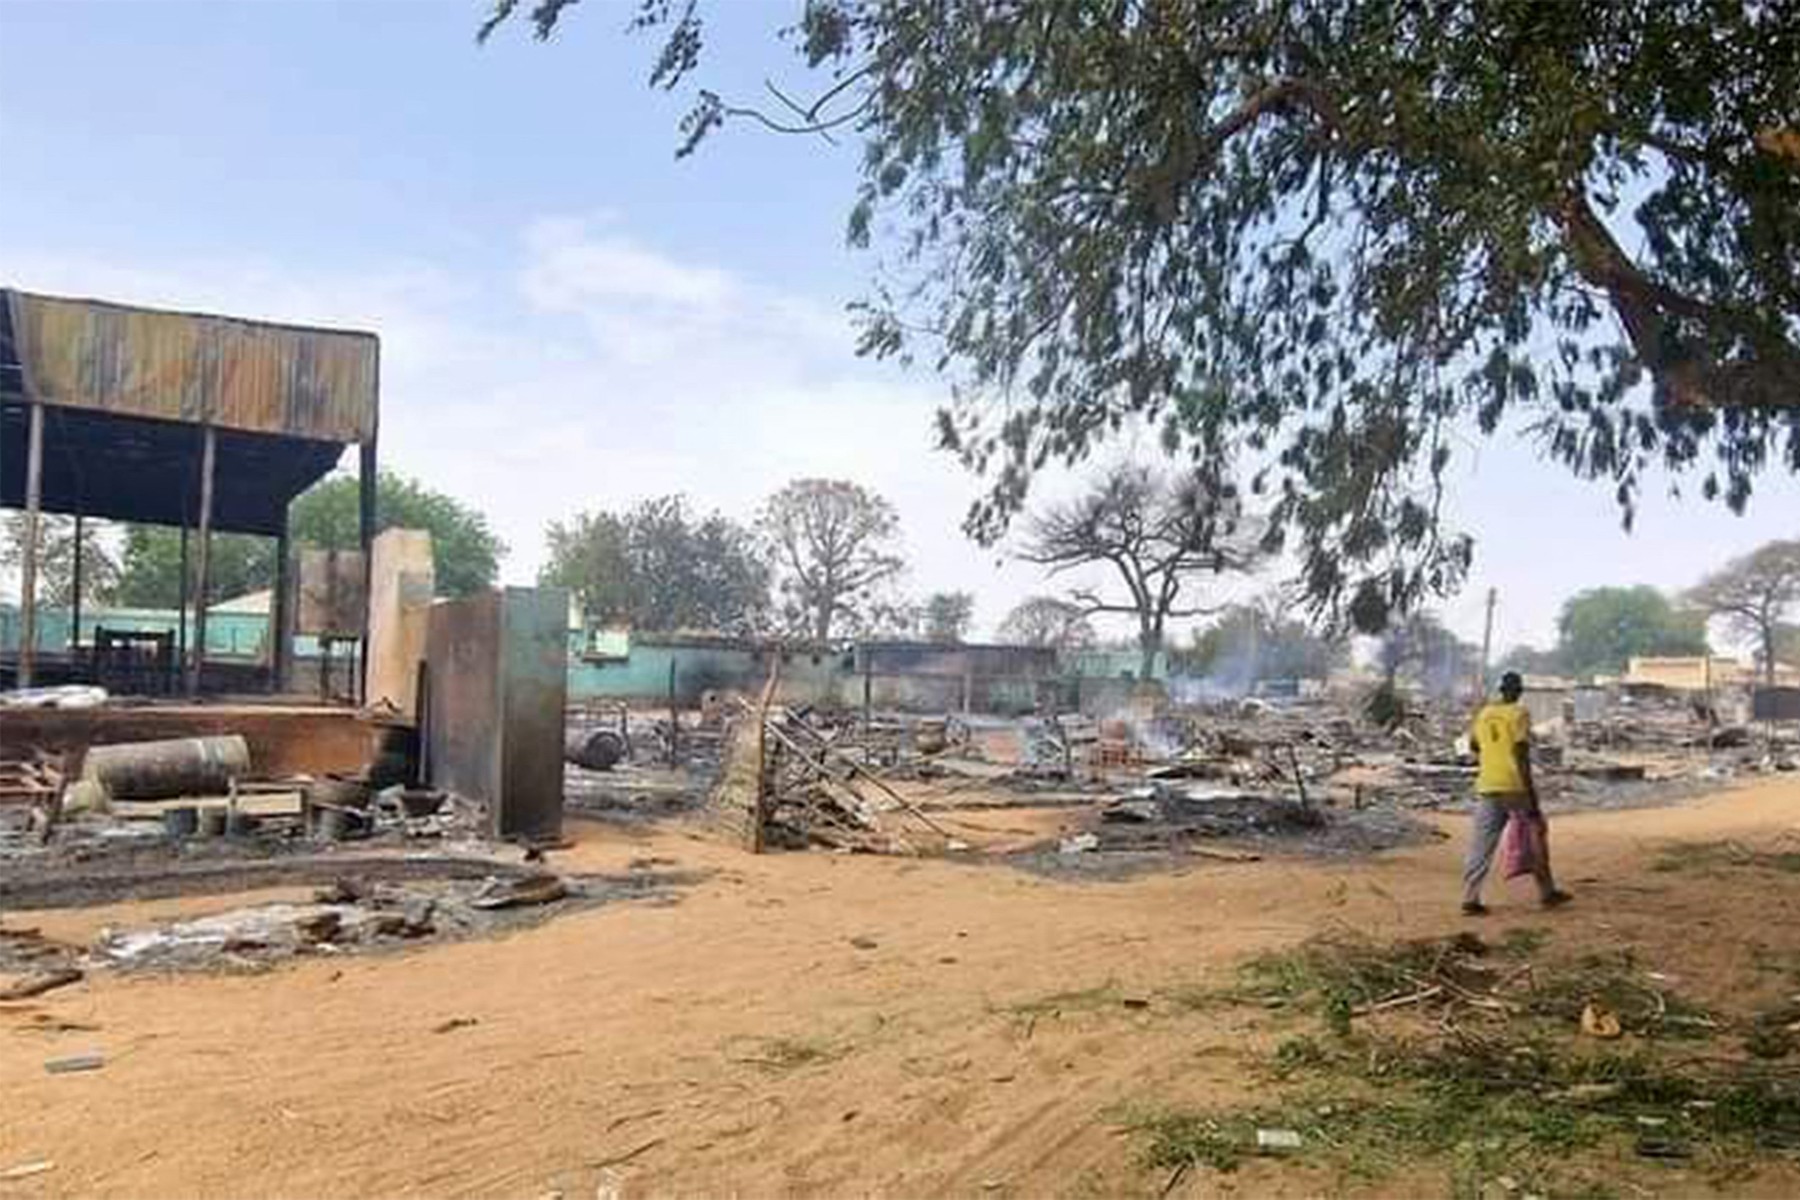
(1485, 830)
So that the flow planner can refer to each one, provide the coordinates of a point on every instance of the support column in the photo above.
(278, 614)
(75, 590)
(181, 608)
(367, 516)
(28, 565)
(202, 581)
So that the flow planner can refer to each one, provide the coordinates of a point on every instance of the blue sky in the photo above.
(571, 317)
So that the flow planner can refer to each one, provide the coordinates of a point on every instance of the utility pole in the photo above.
(1487, 645)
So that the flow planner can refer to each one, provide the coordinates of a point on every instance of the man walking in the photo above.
(1504, 789)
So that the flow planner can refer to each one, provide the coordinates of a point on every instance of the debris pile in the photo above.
(788, 782)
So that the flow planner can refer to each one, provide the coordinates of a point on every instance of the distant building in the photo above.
(1696, 673)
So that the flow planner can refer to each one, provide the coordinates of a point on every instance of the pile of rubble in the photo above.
(792, 781)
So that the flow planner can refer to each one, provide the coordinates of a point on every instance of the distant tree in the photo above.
(1421, 646)
(947, 616)
(1354, 231)
(56, 559)
(835, 549)
(1262, 640)
(465, 553)
(1157, 533)
(1754, 594)
(1601, 628)
(657, 566)
(237, 564)
(1047, 621)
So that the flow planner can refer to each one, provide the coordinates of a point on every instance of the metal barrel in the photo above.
(163, 770)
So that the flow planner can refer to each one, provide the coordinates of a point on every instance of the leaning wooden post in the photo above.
(28, 565)
(202, 582)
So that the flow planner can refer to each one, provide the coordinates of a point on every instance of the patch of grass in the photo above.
(1775, 1033)
(1493, 1077)
(1338, 976)
(1712, 857)
(1523, 941)
(1645, 1006)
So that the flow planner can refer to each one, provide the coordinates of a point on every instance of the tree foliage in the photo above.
(1333, 235)
(1600, 629)
(1251, 642)
(1421, 647)
(1755, 594)
(237, 564)
(946, 616)
(465, 552)
(1156, 533)
(835, 549)
(56, 559)
(1047, 621)
(658, 566)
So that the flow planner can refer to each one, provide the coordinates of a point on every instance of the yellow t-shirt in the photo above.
(1499, 728)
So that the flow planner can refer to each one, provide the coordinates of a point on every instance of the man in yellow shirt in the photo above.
(1500, 737)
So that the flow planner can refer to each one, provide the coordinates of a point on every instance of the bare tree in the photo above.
(1157, 532)
(1047, 621)
(1754, 594)
(834, 543)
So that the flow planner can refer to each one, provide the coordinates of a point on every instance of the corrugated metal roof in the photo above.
(197, 368)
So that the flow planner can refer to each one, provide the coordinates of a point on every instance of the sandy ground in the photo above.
(794, 1024)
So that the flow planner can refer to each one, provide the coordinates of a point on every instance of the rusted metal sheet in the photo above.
(196, 368)
(496, 670)
(330, 596)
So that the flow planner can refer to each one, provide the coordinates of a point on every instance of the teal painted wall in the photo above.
(228, 634)
(643, 672)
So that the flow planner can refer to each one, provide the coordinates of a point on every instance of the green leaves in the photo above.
(1352, 227)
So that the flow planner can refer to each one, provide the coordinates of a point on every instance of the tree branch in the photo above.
(1646, 307)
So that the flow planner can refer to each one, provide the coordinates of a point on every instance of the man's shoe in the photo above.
(1557, 899)
(1474, 908)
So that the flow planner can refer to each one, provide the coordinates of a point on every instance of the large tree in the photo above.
(1601, 629)
(1156, 533)
(1047, 621)
(1423, 647)
(946, 616)
(835, 548)
(465, 552)
(56, 558)
(237, 563)
(1334, 233)
(659, 566)
(1754, 594)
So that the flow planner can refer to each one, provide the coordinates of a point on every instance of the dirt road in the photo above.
(797, 1023)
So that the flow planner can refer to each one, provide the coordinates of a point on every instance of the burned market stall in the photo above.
(210, 424)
